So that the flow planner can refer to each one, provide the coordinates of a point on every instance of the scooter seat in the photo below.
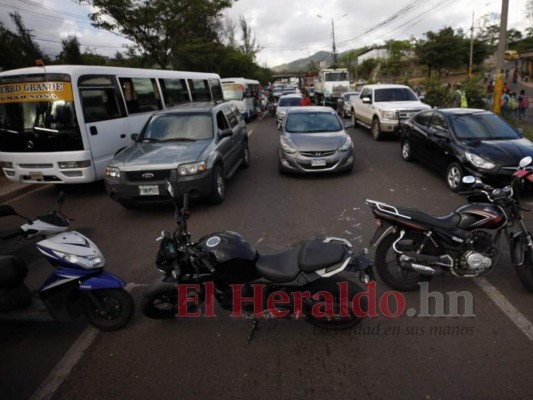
(317, 254)
(13, 271)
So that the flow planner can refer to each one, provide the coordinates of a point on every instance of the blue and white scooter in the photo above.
(78, 286)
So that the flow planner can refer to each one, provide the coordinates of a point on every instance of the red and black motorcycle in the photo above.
(413, 246)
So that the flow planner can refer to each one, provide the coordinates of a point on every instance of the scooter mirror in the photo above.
(6, 210)
(524, 162)
(469, 180)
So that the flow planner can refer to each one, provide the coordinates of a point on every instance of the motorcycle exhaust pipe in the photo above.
(411, 265)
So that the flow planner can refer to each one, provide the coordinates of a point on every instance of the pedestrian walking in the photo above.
(523, 104)
(459, 97)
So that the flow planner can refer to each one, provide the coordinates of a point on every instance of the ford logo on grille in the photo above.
(147, 175)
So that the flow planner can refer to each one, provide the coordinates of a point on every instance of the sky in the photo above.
(286, 30)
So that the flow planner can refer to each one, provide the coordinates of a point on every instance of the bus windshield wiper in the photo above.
(179, 140)
(45, 130)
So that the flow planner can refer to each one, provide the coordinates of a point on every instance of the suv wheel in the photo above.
(218, 185)
(245, 156)
(376, 129)
(354, 120)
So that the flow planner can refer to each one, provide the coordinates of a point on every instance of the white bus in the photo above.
(65, 123)
(242, 92)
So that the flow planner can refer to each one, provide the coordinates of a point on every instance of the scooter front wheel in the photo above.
(110, 309)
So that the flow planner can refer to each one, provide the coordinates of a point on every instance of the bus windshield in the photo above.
(233, 91)
(38, 117)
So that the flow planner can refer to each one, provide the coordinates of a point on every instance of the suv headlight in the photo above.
(479, 162)
(347, 145)
(388, 114)
(192, 168)
(112, 172)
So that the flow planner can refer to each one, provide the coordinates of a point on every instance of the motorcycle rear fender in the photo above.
(105, 280)
(383, 230)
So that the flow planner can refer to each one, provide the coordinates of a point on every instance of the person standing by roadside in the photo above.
(504, 103)
(523, 104)
(459, 97)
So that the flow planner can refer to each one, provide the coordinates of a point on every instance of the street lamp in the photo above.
(333, 36)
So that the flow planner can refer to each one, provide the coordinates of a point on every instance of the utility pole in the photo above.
(500, 54)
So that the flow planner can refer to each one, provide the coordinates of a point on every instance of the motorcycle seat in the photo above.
(309, 256)
(317, 254)
(280, 267)
(447, 222)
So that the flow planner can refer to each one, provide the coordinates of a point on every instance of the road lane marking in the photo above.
(55, 378)
(508, 309)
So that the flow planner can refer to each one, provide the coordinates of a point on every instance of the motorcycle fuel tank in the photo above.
(234, 255)
(481, 216)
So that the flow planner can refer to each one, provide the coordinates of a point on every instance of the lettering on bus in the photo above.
(35, 91)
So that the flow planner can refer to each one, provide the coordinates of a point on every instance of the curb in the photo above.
(10, 191)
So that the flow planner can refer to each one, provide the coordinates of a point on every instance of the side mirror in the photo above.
(225, 133)
(366, 100)
(7, 210)
(134, 136)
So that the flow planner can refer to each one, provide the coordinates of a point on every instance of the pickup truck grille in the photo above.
(406, 114)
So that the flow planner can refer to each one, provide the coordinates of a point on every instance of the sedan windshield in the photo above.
(310, 122)
(185, 127)
(289, 101)
(482, 127)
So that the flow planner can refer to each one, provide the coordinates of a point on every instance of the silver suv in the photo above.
(195, 146)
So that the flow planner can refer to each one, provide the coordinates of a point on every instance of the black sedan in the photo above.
(462, 141)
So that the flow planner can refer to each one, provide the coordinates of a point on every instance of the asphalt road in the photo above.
(486, 356)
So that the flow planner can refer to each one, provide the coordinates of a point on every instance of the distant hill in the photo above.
(301, 64)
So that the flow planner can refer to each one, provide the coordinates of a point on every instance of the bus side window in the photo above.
(199, 90)
(174, 91)
(216, 89)
(141, 95)
(99, 104)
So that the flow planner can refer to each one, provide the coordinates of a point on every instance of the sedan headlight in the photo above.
(192, 168)
(286, 148)
(479, 162)
(112, 172)
(347, 145)
(388, 114)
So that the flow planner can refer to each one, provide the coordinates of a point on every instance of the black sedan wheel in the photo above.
(407, 154)
(454, 176)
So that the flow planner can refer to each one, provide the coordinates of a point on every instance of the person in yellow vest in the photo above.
(459, 97)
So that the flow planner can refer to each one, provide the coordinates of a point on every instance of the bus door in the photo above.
(106, 122)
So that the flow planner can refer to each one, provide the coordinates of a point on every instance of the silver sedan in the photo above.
(313, 139)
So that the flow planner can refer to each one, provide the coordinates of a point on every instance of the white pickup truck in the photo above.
(382, 107)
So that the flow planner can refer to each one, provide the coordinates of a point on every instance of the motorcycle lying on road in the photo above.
(78, 286)
(412, 246)
(225, 261)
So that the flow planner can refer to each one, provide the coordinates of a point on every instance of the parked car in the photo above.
(313, 139)
(344, 107)
(462, 141)
(284, 103)
(196, 146)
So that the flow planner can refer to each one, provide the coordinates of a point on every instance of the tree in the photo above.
(441, 50)
(162, 29)
(249, 46)
(70, 54)
(30, 51)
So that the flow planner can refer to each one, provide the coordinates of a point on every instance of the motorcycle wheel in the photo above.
(161, 305)
(389, 269)
(525, 272)
(117, 309)
(331, 285)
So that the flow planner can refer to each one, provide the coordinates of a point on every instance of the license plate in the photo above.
(149, 190)
(36, 176)
(318, 162)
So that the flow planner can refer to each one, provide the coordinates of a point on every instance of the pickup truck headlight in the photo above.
(112, 172)
(479, 162)
(347, 145)
(388, 114)
(192, 168)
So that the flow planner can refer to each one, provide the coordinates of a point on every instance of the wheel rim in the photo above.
(111, 308)
(406, 151)
(220, 184)
(454, 177)
(246, 155)
(375, 129)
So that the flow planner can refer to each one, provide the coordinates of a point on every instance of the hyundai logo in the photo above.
(147, 175)
(29, 144)
(317, 154)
